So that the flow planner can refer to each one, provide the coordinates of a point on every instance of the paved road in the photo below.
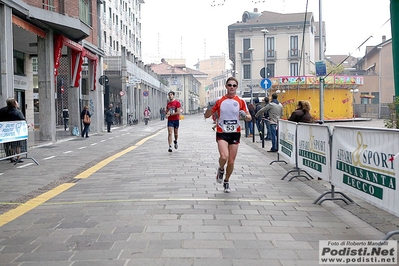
(121, 199)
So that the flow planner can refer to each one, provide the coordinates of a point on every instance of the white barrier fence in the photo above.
(14, 140)
(363, 164)
(359, 160)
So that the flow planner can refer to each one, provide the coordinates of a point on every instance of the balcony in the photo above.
(271, 55)
(294, 54)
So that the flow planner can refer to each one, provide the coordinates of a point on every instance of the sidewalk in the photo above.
(122, 199)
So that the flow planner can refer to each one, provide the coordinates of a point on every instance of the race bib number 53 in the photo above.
(230, 125)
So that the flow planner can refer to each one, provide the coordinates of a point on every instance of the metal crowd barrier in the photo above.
(14, 141)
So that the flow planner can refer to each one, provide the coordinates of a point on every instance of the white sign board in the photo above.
(362, 164)
(13, 131)
(286, 140)
(313, 144)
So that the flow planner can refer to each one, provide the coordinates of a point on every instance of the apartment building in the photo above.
(378, 90)
(184, 81)
(215, 68)
(44, 45)
(284, 43)
(131, 85)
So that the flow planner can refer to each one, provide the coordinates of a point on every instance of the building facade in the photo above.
(44, 46)
(131, 84)
(378, 91)
(280, 44)
(183, 81)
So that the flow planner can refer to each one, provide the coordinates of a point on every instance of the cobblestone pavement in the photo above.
(121, 199)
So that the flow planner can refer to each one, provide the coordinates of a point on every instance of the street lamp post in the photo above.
(241, 69)
(265, 31)
(250, 54)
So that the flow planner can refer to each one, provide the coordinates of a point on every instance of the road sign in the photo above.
(121, 93)
(103, 80)
(321, 69)
(145, 93)
(263, 74)
(265, 84)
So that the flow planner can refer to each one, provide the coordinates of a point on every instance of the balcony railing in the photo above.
(271, 55)
(294, 54)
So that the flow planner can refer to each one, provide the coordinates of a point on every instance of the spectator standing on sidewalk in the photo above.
(118, 115)
(229, 108)
(249, 125)
(109, 117)
(14, 114)
(258, 121)
(275, 110)
(266, 119)
(302, 113)
(173, 115)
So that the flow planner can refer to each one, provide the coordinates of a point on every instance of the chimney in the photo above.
(255, 10)
(384, 38)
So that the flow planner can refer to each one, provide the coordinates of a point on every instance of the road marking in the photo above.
(33, 203)
(93, 144)
(67, 152)
(39, 200)
(158, 200)
(81, 148)
(25, 165)
(102, 140)
(48, 158)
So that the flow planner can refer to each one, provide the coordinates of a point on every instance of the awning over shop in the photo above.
(78, 52)
(27, 26)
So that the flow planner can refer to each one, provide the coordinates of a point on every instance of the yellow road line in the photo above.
(41, 199)
(33, 203)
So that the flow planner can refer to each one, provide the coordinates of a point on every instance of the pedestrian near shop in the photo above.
(229, 108)
(109, 117)
(173, 115)
(118, 115)
(14, 114)
(85, 116)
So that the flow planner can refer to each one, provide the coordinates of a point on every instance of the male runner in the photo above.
(173, 115)
(229, 108)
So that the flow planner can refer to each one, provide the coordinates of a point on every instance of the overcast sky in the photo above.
(197, 29)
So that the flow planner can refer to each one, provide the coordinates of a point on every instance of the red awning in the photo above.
(78, 52)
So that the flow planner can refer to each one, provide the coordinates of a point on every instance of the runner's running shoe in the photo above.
(170, 148)
(176, 146)
(226, 187)
(219, 176)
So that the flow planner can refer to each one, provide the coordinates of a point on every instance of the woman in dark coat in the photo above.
(14, 114)
(109, 117)
(86, 127)
(302, 113)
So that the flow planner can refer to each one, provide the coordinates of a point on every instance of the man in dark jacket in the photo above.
(109, 117)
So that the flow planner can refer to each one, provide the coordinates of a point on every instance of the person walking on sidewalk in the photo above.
(173, 115)
(229, 108)
(109, 117)
(147, 114)
(275, 110)
(86, 125)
